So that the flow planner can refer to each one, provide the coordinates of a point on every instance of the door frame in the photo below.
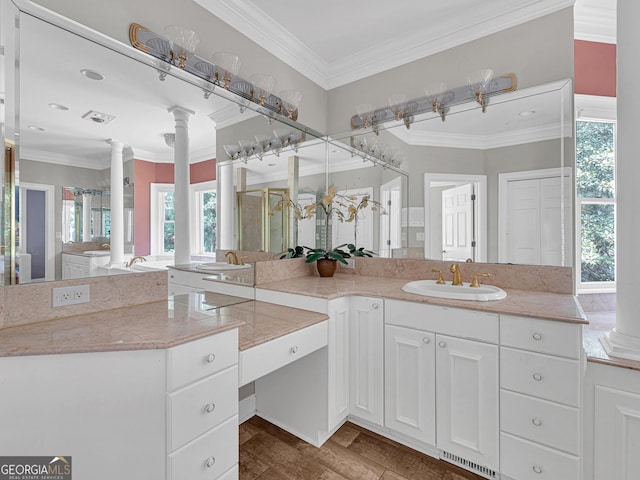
(503, 198)
(385, 220)
(480, 209)
(50, 223)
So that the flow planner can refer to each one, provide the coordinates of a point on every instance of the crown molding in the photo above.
(592, 107)
(256, 24)
(230, 115)
(595, 24)
(64, 159)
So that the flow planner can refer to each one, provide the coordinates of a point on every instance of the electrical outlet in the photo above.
(63, 296)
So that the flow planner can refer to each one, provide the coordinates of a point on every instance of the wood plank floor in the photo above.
(353, 453)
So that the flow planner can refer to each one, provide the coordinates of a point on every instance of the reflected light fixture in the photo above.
(182, 43)
(227, 65)
(264, 85)
(290, 101)
(478, 83)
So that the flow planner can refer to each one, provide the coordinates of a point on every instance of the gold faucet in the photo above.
(474, 282)
(457, 278)
(135, 259)
(440, 280)
(106, 246)
(232, 258)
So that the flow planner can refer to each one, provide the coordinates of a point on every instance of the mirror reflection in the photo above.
(490, 187)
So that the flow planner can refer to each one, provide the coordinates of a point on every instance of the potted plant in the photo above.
(359, 252)
(295, 252)
(327, 260)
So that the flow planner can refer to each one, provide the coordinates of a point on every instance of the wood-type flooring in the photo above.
(353, 453)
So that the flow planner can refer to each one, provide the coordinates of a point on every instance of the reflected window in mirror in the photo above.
(596, 199)
(204, 220)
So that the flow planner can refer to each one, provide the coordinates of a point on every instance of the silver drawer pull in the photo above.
(294, 349)
(442, 344)
(210, 407)
(426, 340)
(210, 358)
(537, 469)
(375, 306)
(536, 421)
(211, 461)
(537, 377)
(536, 336)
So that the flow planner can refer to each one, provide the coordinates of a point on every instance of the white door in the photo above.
(467, 399)
(307, 226)
(366, 359)
(390, 217)
(457, 223)
(523, 222)
(410, 382)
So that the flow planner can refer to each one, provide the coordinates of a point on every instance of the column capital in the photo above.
(115, 143)
(181, 113)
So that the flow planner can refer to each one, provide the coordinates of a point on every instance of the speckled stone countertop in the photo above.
(157, 325)
(244, 276)
(551, 306)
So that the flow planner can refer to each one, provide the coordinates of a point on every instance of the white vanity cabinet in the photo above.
(162, 414)
(540, 398)
(366, 359)
(82, 265)
(443, 360)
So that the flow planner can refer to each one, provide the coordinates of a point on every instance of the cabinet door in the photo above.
(410, 406)
(467, 399)
(366, 357)
(338, 359)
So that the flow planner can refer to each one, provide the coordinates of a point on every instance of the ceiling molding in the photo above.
(230, 115)
(65, 159)
(253, 22)
(595, 24)
(477, 142)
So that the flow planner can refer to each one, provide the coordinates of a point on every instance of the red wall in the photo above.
(144, 174)
(595, 68)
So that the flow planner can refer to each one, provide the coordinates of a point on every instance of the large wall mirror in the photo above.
(490, 187)
(69, 109)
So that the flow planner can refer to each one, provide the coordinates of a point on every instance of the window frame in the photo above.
(157, 191)
(195, 191)
(603, 110)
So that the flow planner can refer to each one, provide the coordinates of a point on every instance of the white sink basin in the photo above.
(430, 288)
(221, 266)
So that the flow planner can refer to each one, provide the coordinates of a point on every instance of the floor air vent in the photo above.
(468, 465)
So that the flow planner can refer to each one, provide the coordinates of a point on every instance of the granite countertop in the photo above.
(551, 306)
(157, 325)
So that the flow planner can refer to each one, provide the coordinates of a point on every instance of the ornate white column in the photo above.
(226, 202)
(116, 238)
(624, 340)
(181, 181)
(86, 217)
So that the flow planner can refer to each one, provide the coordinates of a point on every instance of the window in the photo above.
(162, 219)
(596, 202)
(204, 220)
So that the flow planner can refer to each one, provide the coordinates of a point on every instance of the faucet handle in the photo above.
(474, 282)
(440, 280)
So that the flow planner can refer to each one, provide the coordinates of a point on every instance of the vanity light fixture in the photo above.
(438, 99)
(92, 74)
(221, 70)
(182, 43)
(262, 145)
(370, 150)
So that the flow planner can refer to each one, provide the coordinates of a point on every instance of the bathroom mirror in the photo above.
(493, 187)
(70, 109)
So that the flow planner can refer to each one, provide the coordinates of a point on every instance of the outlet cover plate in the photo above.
(73, 295)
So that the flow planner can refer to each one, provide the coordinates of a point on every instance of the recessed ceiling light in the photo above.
(272, 164)
(34, 127)
(98, 117)
(57, 106)
(527, 113)
(92, 74)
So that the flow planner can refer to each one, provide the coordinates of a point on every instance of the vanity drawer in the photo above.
(209, 456)
(265, 358)
(544, 336)
(552, 424)
(455, 322)
(523, 460)
(201, 406)
(195, 360)
(543, 376)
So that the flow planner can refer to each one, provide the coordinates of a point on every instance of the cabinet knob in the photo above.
(442, 344)
(210, 407)
(537, 469)
(536, 421)
(294, 349)
(210, 461)
(211, 357)
(426, 340)
(537, 377)
(375, 306)
(536, 336)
